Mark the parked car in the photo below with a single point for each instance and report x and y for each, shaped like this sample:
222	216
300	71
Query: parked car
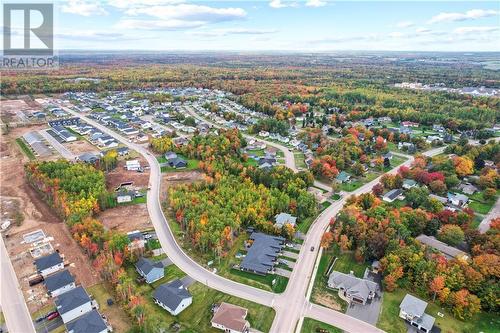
52	315
312	248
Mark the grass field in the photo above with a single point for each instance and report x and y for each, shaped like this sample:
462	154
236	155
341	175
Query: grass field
354	184
389	317
312	326
120	321
299	160
480	207
25	149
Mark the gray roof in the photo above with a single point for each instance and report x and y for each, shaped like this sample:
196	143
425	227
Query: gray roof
90	322
71	300
263	252
58	280
283	218
441	199
177	161
343	176
409	182
145	265
354	286
171	294
447	250
412	305
426	321
48	261
88	157
393	194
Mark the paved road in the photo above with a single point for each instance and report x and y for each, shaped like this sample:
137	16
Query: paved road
63	151
494	213
14	307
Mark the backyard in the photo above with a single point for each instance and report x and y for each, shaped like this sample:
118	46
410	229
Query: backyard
192	164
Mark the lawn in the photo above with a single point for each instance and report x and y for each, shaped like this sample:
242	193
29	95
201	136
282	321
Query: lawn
192	164
313	326
305	224
299	160
395	161
389	317
356	183
196	317
25	149
480	207
118	318
321	294
345	263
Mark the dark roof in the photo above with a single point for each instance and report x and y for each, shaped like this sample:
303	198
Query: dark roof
58	280
393	194
48	261
145	265
263	252
90	322
135	235
176	162
71	300
171	294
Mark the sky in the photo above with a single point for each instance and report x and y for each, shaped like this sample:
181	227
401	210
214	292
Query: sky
277	25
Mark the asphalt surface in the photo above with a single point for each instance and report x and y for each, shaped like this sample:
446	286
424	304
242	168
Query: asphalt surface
65	153
494	213
291	305
17	316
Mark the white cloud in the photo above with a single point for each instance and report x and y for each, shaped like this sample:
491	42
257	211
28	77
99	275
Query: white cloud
396	34
84	8
423	30
474	30
231	31
94	36
404	24
190	12
472	14
280	4
315	3
158	24
126	4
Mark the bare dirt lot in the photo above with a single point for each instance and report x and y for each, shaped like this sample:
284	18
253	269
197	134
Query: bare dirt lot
14	110
121	175
80	146
36	215
126	218
178	178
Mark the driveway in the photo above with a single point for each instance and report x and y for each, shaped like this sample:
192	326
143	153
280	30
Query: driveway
282	272
292	255
63	151
370	311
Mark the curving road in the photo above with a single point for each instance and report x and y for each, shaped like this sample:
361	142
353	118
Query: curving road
291	305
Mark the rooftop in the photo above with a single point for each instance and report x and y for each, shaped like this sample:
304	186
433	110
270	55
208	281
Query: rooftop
90	322
231	317
71	300
450	251
48	261
171	294
58	280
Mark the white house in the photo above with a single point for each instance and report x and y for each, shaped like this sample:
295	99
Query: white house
412	310
59	283
133	165
73	304
125	197
49	264
173	297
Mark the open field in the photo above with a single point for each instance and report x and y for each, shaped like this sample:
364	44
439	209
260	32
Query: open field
137	218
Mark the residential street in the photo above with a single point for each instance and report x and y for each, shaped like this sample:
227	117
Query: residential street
494	213
14	308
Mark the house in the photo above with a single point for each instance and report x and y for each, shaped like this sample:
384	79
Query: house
409	124
177	163
173	297
169	155
59	283
412	310
375	267
409	183
283	218
457	199
230	318
64	133
137	240
353	288
72	304
133	165
449	252
468	188
124	197
262	254
441	199
49	264
122	151
91	322
343	177
88	157
149	270
392	195
388	155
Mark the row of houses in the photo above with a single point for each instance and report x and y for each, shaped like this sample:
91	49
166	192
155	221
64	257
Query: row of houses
76	308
